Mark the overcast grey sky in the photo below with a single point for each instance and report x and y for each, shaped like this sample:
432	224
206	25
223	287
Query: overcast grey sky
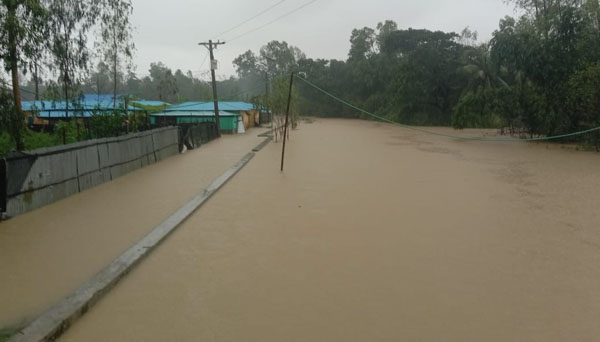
169	31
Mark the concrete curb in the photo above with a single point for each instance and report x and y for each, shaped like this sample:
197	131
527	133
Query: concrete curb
54	322
267	134
262	145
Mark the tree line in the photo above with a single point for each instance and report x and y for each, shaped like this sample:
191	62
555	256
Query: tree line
538	75
45	47
161	83
53	35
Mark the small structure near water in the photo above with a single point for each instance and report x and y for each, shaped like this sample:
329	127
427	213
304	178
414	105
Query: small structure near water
48	113
229	112
228	120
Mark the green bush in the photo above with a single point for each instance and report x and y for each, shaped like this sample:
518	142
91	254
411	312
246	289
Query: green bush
34	140
107	124
138	121
476	109
6	143
67	132
584	102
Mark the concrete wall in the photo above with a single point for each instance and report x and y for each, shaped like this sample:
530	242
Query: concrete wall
265	118
198	134
37	178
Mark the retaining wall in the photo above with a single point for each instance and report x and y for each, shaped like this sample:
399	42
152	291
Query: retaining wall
40	177
198	134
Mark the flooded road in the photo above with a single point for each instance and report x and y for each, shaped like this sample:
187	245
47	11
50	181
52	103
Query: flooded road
375	233
47	253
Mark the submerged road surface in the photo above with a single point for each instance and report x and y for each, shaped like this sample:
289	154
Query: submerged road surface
375	233
48	253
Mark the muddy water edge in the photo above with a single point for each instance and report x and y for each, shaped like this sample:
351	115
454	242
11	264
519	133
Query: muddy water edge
47	253
375	233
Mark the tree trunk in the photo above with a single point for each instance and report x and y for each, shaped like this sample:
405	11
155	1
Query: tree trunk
115	62
18	125
115	84
66	90
37	81
67	79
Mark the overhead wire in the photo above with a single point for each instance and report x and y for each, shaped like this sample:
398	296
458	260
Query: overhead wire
243	92
423	130
9	87
251	90
272	21
205	59
247	91
250	19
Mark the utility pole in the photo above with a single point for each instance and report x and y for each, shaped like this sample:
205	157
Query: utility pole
267	96
287	116
213	65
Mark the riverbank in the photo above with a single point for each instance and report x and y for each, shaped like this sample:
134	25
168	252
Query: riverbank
49	252
377	233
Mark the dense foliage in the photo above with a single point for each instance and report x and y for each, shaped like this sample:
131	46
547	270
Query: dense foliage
54	34
538	75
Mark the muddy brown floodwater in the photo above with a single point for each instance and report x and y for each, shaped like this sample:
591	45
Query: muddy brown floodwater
376	233
47	253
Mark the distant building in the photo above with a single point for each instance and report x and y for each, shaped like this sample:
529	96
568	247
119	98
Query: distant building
150	104
43	113
228	120
191	112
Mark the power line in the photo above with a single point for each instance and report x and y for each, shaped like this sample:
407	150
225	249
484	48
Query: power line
273	21
202	76
243	92
252	89
7	86
414	128
251	18
205	59
247	91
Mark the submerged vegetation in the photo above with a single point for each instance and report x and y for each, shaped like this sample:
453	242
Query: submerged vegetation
539	75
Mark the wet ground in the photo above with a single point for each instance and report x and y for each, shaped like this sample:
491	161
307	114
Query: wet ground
47	253
375	233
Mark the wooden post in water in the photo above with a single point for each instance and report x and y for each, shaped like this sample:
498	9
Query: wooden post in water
287	117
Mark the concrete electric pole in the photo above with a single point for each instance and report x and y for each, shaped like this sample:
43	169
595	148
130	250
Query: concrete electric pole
213	66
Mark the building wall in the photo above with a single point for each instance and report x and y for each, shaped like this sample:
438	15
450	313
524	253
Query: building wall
38	178
251	118
163	120
228	123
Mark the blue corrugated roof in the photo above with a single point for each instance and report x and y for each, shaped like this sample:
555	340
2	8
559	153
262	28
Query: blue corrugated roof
56	109
93	102
83	107
57	114
151	103
183	113
207	106
40	105
100	100
89	102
